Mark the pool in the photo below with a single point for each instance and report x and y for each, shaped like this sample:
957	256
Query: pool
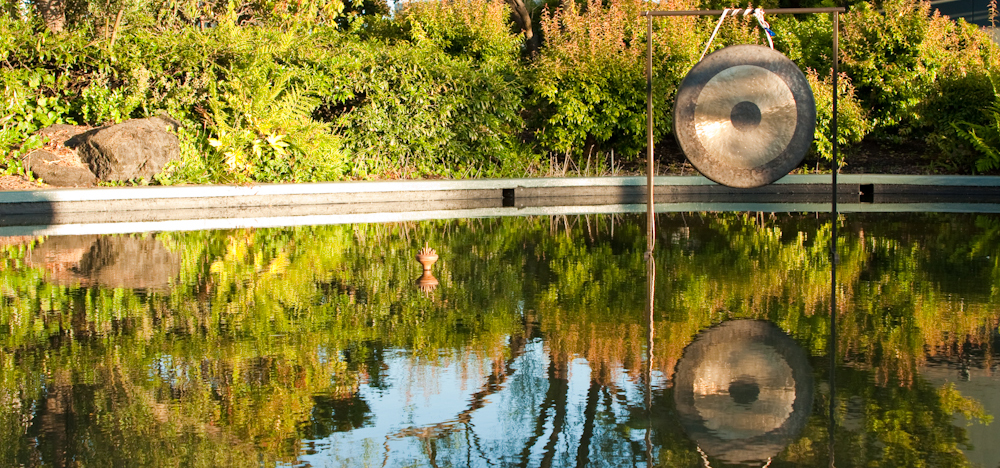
546	340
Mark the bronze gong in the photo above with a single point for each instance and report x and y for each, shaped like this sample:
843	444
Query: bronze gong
745	116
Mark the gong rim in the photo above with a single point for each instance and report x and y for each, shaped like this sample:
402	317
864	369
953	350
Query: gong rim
724	168
737	335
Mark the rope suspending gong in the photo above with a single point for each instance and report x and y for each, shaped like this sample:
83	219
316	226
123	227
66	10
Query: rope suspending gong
758	14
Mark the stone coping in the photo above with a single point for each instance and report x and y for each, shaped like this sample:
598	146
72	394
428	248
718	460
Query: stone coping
397	186
142	209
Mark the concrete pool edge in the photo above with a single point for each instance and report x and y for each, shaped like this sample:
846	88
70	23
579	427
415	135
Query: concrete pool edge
217	207
271	194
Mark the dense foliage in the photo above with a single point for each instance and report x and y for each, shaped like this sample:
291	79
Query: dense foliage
331	90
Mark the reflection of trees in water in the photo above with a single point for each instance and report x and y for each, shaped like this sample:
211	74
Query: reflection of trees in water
267	335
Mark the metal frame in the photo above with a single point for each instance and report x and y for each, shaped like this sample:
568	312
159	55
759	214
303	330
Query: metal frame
649	97
651	225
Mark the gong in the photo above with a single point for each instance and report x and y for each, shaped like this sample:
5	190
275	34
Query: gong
745	116
743	390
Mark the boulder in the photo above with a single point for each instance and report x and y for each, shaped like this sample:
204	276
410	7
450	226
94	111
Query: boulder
133	262
56	162
60	171
133	149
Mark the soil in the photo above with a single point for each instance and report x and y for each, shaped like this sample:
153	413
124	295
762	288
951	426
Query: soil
15	182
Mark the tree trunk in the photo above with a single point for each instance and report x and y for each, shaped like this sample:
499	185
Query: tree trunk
53	13
523	19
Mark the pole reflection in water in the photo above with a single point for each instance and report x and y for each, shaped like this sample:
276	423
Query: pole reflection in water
648	369
834	258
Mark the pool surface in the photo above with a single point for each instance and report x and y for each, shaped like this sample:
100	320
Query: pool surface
541	341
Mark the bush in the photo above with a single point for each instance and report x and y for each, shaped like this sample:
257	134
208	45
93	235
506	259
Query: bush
441	98
260	107
478	29
982	133
294	91
38	82
901	59
852	120
412	110
588	85
962	92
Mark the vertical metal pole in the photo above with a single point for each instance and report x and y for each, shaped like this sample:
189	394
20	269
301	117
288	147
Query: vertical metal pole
650	220
833	122
833	246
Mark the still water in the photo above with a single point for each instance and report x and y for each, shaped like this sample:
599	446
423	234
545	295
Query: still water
528	342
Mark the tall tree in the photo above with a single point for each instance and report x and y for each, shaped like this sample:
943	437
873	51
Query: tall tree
522	16
53	13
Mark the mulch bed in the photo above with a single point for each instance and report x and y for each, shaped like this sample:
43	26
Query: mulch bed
19	183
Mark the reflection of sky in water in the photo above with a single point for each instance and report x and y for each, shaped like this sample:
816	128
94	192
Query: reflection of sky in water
426	398
980	381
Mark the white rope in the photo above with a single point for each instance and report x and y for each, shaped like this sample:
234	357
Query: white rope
721	18
758	13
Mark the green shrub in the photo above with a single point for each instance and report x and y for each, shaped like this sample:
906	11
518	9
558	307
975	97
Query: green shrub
231	80
260	112
588	85
37	81
414	106
900	59
480	29
962	92
969	100
264	132
985	138
982	133
32	100
852	122
807	41
883	53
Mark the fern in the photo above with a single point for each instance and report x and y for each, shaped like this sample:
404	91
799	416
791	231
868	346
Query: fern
262	120
984	138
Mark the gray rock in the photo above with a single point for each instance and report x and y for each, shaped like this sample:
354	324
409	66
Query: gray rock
133	149
55	171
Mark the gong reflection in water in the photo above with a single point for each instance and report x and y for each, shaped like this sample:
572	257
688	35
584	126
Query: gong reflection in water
743	390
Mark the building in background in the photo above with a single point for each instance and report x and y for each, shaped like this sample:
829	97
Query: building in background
973	11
